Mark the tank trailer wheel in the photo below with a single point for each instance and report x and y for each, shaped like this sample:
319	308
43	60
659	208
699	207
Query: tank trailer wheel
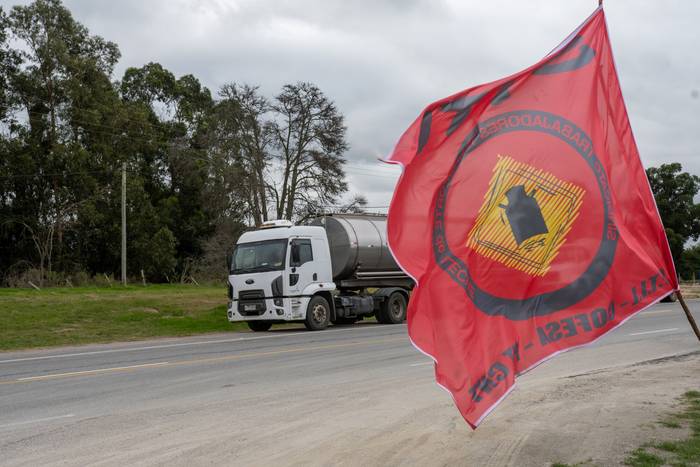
393	310
259	326
318	314
670	298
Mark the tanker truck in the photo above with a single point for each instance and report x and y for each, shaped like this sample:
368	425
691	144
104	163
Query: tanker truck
334	269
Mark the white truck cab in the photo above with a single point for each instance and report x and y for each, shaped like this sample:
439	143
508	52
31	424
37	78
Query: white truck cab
276	271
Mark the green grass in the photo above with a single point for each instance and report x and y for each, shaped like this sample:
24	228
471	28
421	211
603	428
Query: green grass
578	464
670	423
641	458
67	316
685	452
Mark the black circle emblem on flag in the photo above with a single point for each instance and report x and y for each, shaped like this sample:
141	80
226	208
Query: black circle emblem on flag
520	227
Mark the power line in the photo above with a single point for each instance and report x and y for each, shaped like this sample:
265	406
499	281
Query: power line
167	141
381	166
96	172
56	174
121	134
158	139
74	106
346	206
365	174
352	168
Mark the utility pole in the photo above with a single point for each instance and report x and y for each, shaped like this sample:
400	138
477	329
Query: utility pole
124	223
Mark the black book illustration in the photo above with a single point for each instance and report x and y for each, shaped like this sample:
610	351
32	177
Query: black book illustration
524	214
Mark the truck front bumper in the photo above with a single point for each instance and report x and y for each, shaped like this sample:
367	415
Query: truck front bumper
291	309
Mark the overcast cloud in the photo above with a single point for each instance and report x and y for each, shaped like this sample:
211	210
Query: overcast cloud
382	62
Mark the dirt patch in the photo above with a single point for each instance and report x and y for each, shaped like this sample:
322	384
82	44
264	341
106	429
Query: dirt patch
595	418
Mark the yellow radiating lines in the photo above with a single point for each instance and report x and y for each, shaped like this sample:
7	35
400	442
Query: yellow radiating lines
559	204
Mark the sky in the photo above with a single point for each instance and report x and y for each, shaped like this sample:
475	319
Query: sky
382	62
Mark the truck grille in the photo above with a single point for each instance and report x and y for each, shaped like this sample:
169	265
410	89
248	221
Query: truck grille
251	302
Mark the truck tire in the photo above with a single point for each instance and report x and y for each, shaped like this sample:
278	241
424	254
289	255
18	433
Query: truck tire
259	326
670	298
393	309
318	314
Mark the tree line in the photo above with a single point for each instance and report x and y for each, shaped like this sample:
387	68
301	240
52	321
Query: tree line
675	192
199	167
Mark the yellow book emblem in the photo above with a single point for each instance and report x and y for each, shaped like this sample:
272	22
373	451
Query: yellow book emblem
525	217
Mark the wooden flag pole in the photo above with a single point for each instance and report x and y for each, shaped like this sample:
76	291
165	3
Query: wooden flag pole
688	315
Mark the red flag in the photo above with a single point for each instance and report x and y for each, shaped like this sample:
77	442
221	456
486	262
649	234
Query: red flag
526	219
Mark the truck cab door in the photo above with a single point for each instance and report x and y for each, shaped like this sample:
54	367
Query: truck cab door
301	271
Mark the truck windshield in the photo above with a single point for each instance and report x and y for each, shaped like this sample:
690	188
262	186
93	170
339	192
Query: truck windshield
259	256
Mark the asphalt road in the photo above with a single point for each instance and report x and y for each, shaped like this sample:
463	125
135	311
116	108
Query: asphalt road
235	398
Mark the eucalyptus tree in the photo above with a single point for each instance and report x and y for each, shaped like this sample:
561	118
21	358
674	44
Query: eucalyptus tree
61	96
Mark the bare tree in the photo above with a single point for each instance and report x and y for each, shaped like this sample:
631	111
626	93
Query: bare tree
43	238
355	206
309	138
54	218
247	137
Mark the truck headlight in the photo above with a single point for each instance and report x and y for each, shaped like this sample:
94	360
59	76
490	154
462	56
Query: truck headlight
277	291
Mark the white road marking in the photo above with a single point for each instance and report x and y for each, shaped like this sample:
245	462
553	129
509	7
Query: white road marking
89	372
131	349
652	332
180	344
220	341
421	364
658	312
38	420
351	343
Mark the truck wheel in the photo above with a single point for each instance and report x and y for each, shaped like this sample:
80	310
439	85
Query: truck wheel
670	298
393	310
259	326
318	314
380	314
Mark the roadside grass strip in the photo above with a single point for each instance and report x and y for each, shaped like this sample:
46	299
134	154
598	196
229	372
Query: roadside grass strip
69	316
680	453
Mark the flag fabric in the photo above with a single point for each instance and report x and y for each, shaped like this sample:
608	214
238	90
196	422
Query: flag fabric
525	216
